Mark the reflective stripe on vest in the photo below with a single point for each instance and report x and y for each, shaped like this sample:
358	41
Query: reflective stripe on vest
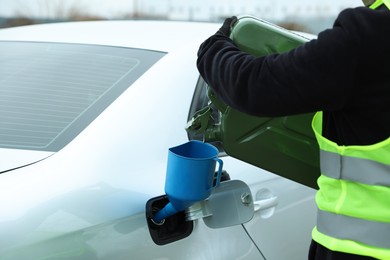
354	169
372	233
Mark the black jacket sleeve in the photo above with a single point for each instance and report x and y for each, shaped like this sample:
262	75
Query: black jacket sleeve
315	76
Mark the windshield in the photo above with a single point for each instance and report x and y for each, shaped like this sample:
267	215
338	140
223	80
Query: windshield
49	92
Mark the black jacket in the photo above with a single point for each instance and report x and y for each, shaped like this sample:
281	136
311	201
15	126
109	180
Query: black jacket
345	72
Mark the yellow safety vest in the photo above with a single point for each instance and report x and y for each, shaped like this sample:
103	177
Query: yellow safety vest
354	197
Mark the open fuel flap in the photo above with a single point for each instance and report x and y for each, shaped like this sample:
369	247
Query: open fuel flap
286	145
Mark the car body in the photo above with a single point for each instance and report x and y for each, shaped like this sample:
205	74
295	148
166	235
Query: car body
81	193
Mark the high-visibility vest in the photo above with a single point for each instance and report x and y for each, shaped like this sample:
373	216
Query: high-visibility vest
354	197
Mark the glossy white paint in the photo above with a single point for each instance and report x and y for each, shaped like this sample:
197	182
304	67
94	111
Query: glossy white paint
161	35
11	158
87	201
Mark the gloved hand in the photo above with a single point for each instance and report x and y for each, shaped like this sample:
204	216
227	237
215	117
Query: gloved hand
226	28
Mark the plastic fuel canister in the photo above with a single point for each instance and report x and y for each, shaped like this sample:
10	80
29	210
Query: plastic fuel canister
286	145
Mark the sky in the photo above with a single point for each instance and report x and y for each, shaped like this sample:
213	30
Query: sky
115	8
37	8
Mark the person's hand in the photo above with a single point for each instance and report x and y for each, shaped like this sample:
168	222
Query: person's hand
226	28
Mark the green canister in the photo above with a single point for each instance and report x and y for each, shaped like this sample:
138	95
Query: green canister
286	145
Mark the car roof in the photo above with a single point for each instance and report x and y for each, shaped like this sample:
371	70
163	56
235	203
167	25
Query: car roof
156	35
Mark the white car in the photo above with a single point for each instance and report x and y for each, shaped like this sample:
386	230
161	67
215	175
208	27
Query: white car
88	113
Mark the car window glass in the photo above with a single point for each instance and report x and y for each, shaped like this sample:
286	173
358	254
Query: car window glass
201	100
49	92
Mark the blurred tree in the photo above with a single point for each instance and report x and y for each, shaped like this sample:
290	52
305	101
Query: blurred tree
11	22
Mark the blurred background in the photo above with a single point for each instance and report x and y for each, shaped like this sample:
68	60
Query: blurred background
306	15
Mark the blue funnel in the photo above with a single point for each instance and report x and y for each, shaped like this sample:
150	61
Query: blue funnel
170	210
189	176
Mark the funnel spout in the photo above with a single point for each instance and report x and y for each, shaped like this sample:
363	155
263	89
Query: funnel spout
165	212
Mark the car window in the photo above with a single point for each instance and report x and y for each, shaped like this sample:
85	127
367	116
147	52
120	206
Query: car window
49	92
201	100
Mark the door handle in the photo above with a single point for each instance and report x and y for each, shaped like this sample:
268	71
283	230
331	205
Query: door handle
265	203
